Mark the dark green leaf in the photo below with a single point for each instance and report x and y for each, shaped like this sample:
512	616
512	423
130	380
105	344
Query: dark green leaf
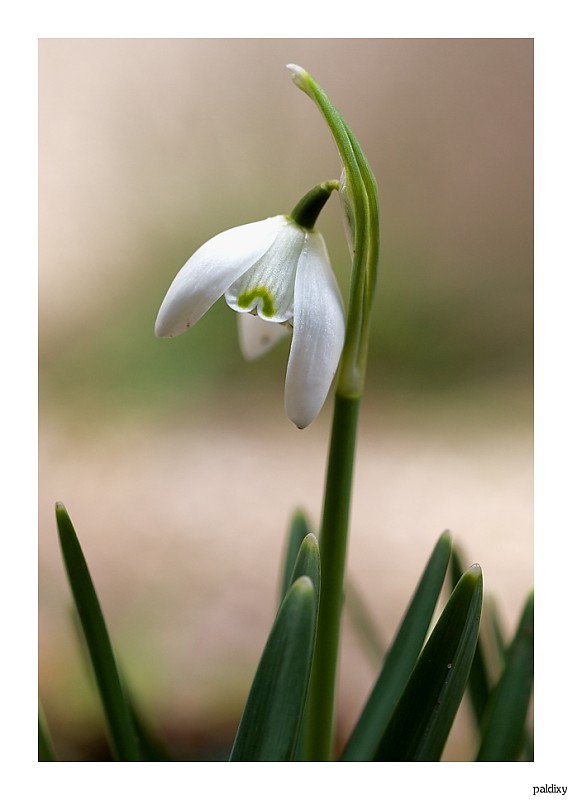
504	729
363	624
299	528
498	635
152	749
500	647
401	657
421	722
479	683
271	720
115	704
45	747
456	567
308	563
150	745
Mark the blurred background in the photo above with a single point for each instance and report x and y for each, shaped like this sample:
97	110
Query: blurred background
174	457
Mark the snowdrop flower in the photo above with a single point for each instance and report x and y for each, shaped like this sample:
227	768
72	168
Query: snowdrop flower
276	273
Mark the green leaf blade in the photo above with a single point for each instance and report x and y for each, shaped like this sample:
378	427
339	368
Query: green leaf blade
123	737
308	563
299	528
421	722
479	683
401	657
504	729
363	623
270	724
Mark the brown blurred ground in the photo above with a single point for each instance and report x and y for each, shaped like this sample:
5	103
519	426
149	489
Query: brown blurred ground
175	459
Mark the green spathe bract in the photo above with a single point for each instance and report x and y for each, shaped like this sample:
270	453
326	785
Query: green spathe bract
360	194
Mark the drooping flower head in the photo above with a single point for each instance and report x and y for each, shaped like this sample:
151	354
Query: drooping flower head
276	274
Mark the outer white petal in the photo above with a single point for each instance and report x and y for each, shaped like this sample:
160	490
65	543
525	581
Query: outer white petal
257	335
211	270
318	335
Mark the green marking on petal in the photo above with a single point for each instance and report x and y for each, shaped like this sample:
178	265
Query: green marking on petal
248	298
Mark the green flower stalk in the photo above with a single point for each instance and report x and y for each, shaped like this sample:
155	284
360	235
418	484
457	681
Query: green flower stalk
277	275
358	192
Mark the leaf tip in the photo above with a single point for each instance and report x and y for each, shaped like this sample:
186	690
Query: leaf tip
304	589
310	540
446	537
474	573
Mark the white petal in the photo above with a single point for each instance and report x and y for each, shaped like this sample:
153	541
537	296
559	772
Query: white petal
211	270
318	335
256	335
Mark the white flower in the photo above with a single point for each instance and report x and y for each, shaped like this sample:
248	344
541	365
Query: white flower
280	272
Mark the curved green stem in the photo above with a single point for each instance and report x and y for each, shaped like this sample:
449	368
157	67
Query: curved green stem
362	191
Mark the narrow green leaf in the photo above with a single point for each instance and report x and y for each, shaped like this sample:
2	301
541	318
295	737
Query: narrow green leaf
46	750
122	733
271	720
299	528
151	746
400	658
498	635
504	730
363	623
479	683
495	644
456	566
308	563
497	660
421	722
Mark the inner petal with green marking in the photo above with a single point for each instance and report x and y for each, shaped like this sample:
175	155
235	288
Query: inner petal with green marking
258	298
267	288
